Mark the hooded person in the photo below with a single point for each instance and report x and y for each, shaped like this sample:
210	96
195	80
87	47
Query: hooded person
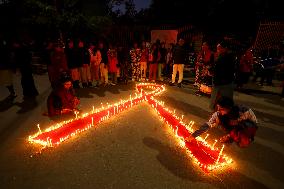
239	123
62	100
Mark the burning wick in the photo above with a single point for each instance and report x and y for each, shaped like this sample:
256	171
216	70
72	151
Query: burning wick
176	131
220	153
206	137
214	143
76	114
38	128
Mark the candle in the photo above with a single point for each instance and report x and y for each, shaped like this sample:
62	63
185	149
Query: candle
38	128
76	114
214	143
220	153
206	137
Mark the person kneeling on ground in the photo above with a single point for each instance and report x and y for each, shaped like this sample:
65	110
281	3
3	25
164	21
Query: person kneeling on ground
239	122
62	100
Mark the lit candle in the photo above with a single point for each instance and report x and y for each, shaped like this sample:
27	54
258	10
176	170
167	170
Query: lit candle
214	143
38	128
206	137
176	131
93	109
220	153
92	121
76	114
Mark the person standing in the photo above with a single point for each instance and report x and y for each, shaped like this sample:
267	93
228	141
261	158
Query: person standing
135	54
143	61
95	60
179	57
104	64
245	68
223	74
154	57
6	68
85	68
22	58
123	58
58	64
162	61
112	62
74	62
205	60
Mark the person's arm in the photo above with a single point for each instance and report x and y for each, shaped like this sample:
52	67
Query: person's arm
247	115
206	126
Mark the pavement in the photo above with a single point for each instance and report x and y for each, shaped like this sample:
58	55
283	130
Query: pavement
134	149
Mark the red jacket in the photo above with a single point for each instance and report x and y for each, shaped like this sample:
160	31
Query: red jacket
60	99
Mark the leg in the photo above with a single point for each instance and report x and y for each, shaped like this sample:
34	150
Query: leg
155	68
213	98
174	73
180	72
150	72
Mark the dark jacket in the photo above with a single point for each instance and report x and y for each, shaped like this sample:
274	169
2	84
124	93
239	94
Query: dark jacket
179	54
5	57
224	69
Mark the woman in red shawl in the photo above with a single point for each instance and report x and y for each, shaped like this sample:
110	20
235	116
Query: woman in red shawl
62	100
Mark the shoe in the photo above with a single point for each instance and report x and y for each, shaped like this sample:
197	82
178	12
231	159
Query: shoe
179	85
172	84
226	139
90	84
198	93
196	85
112	84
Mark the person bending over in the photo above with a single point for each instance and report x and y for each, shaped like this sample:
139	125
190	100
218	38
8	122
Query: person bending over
239	122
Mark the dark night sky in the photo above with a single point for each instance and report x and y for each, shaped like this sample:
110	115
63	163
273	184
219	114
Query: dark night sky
142	4
139	4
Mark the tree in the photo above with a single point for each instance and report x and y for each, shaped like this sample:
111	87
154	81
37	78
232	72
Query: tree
56	16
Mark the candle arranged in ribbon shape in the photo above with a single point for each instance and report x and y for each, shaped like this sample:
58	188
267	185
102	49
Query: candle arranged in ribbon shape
208	157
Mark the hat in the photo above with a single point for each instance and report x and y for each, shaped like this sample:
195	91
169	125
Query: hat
225	102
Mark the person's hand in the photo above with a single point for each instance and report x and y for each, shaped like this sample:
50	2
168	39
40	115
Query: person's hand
189	138
65	110
76	101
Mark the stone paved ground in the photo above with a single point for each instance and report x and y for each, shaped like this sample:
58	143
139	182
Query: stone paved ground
135	149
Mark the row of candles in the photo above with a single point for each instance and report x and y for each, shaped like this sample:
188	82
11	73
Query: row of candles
208	157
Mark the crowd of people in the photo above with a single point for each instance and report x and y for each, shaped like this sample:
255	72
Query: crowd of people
76	63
